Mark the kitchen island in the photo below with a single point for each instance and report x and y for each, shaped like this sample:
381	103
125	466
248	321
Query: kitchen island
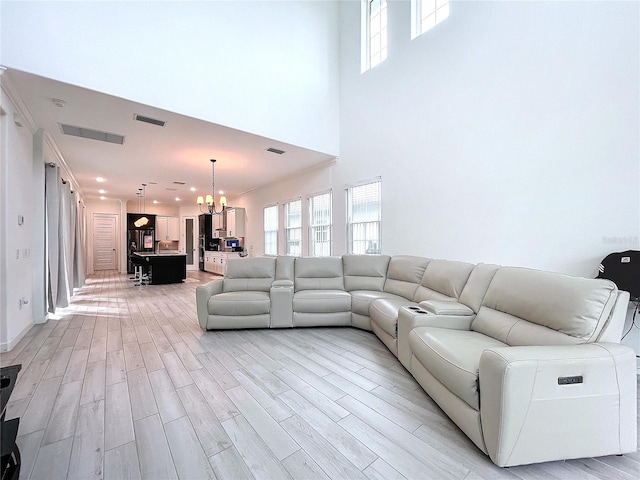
163	267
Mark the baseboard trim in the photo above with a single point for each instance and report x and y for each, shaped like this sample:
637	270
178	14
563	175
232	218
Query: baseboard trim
8	346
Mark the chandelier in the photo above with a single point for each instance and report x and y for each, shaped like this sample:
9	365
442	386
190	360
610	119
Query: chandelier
209	200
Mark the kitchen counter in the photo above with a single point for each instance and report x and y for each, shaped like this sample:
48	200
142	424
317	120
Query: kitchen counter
164	267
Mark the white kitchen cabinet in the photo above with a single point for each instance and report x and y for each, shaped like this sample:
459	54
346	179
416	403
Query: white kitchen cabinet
209	264
167	229
216	262
219	222
235	222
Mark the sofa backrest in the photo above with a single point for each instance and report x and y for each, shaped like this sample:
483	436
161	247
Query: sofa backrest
318	273
255	274
443	280
284	267
477	285
405	274
532	307
365	272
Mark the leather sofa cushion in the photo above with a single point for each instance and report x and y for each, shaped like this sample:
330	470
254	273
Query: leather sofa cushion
453	358
405	274
384	312
314	273
244	274
533	307
239	303
361	300
443	279
365	272
321	301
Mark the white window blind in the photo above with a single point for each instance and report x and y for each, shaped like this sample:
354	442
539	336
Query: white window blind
320	225
271	230
293	228
364	216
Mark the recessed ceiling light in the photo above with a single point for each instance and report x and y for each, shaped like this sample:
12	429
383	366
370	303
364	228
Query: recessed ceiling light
220	192
99	179
155	202
101	191
103	198
193	189
177	199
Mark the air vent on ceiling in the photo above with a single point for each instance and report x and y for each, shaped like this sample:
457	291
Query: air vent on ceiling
275	150
152	121
92	134
171	189
178	183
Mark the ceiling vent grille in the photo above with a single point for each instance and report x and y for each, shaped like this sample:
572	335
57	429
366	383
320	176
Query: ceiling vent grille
92	134
152	121
275	150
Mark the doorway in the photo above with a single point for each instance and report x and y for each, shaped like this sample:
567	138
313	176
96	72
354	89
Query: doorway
105	241
190	242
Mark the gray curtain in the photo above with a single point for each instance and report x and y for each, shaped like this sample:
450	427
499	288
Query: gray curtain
78	256
53	184
66	221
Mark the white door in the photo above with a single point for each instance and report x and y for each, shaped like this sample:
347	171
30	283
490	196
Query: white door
105	241
189	242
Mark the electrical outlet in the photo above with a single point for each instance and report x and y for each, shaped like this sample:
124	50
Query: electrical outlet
18	254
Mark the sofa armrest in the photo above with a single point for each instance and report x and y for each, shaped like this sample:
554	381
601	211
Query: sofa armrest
281	295
203	294
412	317
544	403
445	307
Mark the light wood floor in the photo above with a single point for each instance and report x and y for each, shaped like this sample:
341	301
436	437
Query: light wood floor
127	385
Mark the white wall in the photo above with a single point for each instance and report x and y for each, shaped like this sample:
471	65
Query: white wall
16	270
507	134
265	67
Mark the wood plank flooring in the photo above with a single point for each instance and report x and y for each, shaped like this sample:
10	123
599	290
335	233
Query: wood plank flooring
126	385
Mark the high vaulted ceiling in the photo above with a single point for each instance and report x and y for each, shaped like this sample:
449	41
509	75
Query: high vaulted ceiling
153	155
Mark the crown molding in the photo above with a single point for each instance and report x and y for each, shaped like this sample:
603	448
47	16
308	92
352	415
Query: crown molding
8	87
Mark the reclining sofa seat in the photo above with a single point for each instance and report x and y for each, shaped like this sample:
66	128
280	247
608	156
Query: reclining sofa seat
239	300
320	298
501	379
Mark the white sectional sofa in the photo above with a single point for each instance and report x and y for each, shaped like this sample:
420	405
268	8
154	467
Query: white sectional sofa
527	363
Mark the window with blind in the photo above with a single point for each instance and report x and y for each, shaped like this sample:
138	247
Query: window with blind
320	225
426	14
374	33
293	228
271	230
364	216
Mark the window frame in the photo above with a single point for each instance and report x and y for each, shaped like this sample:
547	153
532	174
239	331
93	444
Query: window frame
417	27
366	52
287	229
350	223
265	231
311	226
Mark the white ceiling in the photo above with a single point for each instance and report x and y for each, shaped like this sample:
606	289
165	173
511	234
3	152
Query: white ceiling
178	152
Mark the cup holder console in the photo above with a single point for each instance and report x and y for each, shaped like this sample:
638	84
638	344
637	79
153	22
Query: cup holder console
419	310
